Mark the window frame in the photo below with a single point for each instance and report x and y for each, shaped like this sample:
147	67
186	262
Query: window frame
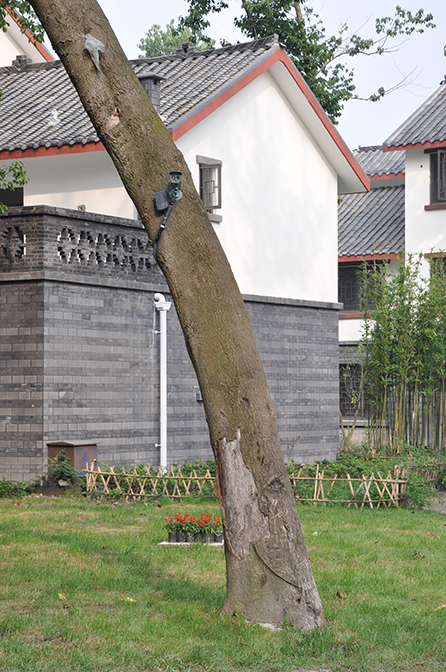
437	176
350	266
206	164
349	383
360	306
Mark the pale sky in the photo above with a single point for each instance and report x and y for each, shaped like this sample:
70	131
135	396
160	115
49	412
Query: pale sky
420	58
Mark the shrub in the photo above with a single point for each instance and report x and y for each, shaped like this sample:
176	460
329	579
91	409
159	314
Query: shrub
14	488
418	492
60	469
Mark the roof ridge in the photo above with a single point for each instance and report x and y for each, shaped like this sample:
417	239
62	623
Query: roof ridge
369	148
270	41
31	66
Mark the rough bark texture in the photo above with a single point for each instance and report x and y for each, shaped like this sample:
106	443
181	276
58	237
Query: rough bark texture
269	577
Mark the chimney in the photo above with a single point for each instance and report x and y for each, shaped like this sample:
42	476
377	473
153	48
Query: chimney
152	86
21	61
187	48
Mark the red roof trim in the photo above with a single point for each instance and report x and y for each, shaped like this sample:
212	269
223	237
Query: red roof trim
390	176
367	257
40	48
416	145
278	56
30	153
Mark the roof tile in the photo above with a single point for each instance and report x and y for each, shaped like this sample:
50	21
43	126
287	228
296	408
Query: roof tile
32	92
426	125
371	223
375	162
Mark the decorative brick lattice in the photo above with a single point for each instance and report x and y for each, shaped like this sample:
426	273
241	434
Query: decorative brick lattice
104	250
12	244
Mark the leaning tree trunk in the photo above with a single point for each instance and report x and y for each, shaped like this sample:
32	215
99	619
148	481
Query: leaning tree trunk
269	578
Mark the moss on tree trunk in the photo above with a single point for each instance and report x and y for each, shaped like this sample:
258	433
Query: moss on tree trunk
269	578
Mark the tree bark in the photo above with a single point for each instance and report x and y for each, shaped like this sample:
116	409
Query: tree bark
269	578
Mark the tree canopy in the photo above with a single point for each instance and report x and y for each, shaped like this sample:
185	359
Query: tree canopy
158	42
319	57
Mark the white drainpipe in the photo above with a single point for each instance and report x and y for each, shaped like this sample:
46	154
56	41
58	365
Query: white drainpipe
163	306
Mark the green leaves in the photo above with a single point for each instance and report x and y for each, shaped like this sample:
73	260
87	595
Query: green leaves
404	340
158	42
28	18
12	176
404	22
321	59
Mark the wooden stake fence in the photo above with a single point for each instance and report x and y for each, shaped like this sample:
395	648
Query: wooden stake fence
365	491
373	490
143	482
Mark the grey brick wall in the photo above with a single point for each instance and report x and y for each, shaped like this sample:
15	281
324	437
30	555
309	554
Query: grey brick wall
80	352
298	345
21	379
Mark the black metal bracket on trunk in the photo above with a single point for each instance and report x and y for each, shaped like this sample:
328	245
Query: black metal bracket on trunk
164	223
164	202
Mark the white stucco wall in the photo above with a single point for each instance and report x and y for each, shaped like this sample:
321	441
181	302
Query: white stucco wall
425	229
279	195
350	330
68	181
13	43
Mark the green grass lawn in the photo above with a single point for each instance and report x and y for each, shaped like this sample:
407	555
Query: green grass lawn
85	586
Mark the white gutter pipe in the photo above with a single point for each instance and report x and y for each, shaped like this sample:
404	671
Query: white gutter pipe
162	307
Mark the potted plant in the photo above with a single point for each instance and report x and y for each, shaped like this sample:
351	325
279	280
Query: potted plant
187	528
171	530
181	527
206	526
217	529
193	530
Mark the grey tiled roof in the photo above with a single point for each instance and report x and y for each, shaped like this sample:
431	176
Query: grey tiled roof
192	79
374	161
31	93
372	223
425	125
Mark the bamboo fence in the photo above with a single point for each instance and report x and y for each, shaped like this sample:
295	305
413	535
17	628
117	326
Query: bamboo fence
373	490
430	472
144	482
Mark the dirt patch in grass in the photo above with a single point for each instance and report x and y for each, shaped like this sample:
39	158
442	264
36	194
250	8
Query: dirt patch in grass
438	503
37	640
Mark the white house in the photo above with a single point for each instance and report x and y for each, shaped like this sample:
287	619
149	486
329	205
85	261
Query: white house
269	165
422	140
405	211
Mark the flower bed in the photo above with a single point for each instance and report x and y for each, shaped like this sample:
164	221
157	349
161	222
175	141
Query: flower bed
189	529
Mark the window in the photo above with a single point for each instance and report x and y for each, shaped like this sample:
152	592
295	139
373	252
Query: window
350	284
351	392
438	176
11	197
210	186
437	262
